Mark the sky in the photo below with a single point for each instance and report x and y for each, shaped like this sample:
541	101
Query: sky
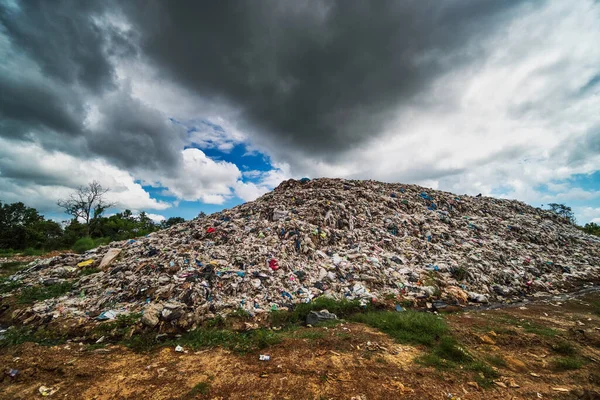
183	106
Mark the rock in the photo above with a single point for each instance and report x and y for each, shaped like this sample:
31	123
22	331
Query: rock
314	317
151	314
515	364
486	339
109	257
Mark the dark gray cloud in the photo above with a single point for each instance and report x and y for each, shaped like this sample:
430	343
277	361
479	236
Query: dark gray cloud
320	77
64	38
131	134
27	104
60	75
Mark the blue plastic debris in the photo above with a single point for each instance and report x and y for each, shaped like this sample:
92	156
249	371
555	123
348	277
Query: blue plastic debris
304	180
399	308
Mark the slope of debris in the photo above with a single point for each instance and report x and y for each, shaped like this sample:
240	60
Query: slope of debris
362	240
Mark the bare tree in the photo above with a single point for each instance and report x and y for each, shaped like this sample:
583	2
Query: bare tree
87	203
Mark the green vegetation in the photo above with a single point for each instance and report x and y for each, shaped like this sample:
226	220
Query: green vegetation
89	271
24	231
120	326
595	306
562	211
10	268
342	308
38	293
528	326
84	244
495	360
406	327
240	342
7	285
567	363
200	388
18	335
592	228
564	348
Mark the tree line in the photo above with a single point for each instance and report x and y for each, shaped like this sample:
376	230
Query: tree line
24	229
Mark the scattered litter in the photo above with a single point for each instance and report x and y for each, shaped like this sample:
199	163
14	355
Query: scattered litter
47	391
12	372
264	357
179	349
86	263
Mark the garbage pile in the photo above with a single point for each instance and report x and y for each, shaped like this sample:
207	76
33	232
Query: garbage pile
347	239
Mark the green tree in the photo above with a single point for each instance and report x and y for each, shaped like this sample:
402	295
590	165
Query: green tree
171	221
563	211
22	227
592	228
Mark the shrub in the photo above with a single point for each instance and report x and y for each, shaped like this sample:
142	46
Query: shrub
84	244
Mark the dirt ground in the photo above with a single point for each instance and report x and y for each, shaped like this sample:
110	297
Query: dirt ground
346	361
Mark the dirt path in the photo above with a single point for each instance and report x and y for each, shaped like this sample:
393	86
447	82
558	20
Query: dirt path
525	345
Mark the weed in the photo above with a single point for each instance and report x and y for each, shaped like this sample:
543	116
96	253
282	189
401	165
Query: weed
200	388
435	361
310	334
406	327
564	348
528	326
32	294
120	326
95	346
485	374
241	342
595	304
539	330
18	335
460	273
8	285
240	313
342	308
497	361
11	267
89	271
449	349
142	343
567	363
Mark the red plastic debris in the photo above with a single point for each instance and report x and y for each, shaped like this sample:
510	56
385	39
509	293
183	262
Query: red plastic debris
210	230
273	264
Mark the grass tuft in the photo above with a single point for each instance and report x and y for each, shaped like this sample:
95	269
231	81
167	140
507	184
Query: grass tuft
406	327
564	348
567	363
201	388
32	294
240	342
18	335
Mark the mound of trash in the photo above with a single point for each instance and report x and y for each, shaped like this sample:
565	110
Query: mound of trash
347	239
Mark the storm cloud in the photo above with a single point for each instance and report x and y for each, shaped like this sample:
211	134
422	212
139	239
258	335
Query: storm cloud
469	95
320	76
